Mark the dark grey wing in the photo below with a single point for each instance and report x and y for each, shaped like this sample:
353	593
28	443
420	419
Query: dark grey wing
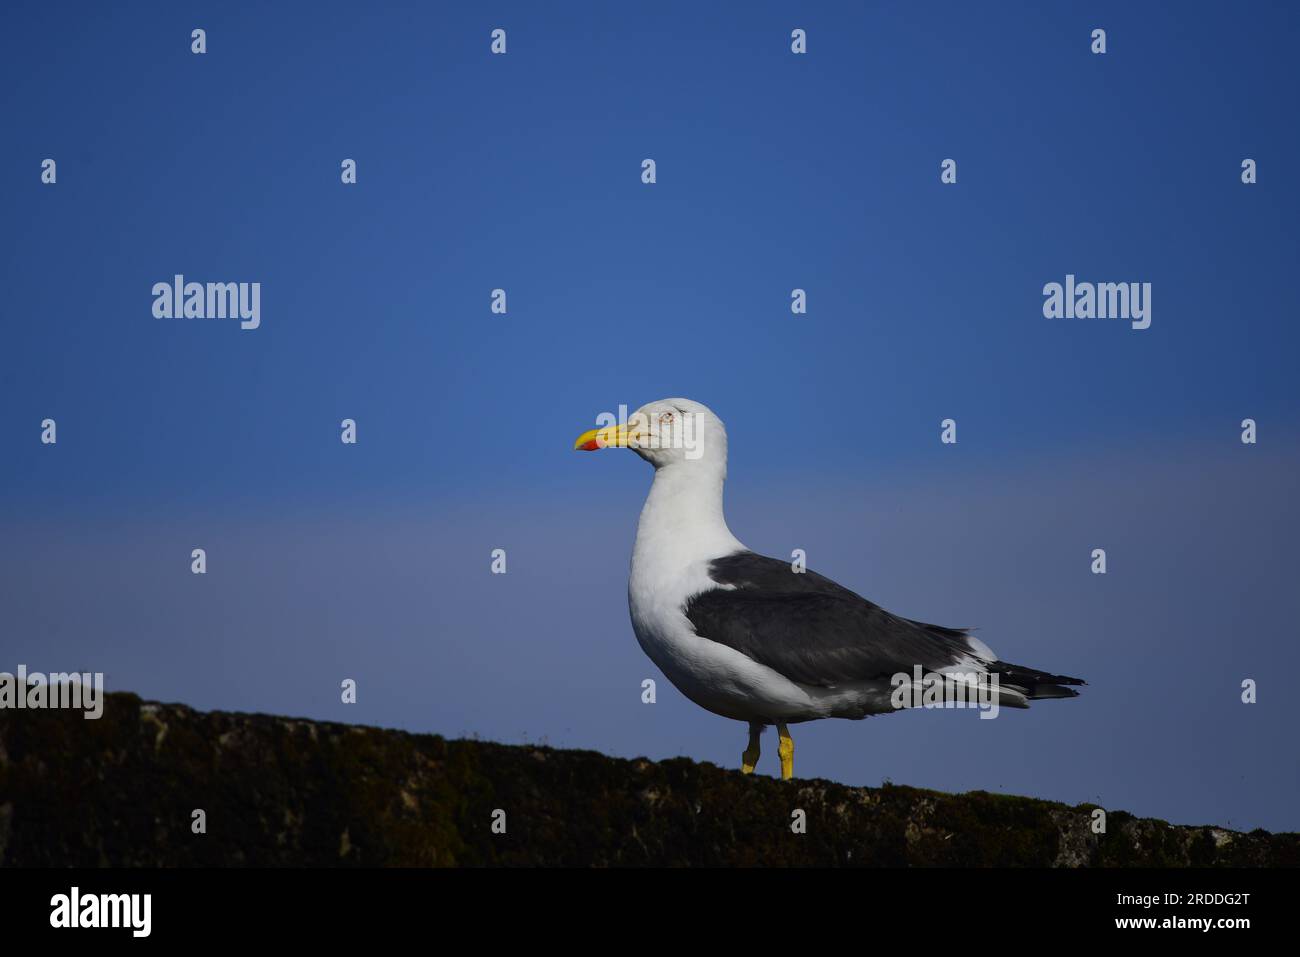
816	632
813	631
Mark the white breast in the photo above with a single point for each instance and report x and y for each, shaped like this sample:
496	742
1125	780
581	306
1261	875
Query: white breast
680	532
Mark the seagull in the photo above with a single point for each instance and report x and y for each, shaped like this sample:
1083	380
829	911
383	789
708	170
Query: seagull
766	641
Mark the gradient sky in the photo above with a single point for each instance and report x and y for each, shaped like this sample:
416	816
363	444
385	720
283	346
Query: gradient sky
775	171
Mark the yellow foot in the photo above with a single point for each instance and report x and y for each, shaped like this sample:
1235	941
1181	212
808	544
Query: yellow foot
785	748
749	760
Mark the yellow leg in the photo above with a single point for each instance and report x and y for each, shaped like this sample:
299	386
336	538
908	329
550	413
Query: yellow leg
749	760
786	750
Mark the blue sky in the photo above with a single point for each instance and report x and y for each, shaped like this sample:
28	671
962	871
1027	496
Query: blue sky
775	171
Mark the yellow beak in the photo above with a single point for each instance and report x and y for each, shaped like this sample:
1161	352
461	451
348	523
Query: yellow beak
610	435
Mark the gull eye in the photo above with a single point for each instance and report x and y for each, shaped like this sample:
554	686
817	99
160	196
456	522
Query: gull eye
665	418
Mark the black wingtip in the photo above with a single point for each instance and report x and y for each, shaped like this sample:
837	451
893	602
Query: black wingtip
1035	684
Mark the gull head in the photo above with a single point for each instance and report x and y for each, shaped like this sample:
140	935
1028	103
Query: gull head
675	432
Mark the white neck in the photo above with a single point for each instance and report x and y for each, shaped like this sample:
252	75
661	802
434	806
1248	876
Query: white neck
682	520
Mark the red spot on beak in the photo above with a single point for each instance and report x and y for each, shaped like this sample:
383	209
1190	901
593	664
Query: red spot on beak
591	446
